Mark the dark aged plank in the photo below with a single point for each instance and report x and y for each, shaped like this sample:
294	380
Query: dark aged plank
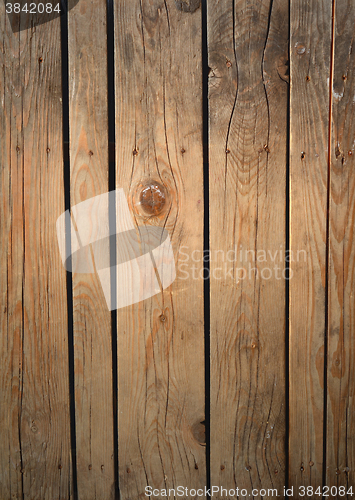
248	45
92	321
161	340
341	333
310	48
34	393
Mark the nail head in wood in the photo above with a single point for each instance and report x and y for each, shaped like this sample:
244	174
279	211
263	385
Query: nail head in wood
300	49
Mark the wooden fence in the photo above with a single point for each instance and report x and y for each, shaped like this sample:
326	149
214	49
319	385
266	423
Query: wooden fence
241	373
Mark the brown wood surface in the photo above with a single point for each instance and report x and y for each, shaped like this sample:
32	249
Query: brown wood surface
161	340
310	51
340	436
161	386
92	319
34	394
248	46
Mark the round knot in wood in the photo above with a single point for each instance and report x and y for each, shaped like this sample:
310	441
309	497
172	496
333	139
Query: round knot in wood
152	198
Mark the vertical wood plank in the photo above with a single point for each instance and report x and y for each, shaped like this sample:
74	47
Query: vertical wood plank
341	334
92	318
161	340
310	50
12	255
34	393
248	47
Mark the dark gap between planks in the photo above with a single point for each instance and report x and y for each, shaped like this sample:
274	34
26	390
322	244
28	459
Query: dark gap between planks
69	279
206	237
327	250
112	187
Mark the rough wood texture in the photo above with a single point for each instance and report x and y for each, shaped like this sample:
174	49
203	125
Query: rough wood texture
92	319
248	45
341	334
161	340
34	394
310	48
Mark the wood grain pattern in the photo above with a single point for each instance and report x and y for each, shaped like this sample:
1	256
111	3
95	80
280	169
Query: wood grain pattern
161	340
34	396
158	92
340	436
92	319
248	123
310	51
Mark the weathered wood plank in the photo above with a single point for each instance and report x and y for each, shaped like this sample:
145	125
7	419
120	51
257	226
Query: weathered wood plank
310	50
92	318
161	340
341	334
248	46
34	393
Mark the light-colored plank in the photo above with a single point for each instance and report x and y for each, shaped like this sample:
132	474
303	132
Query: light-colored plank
248	46
161	340
92	318
34	406
341	334
310	50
